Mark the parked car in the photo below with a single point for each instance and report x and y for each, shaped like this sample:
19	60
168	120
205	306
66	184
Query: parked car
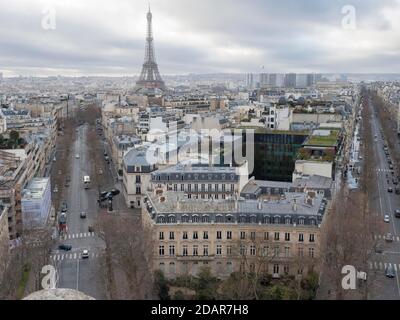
397	213
55	190
77	156
397	190
83	215
100	171
390	189
91	229
65	247
386	218
64	207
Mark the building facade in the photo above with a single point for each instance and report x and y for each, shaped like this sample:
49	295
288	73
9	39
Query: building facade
277	237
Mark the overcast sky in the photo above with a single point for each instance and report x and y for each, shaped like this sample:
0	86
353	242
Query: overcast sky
107	37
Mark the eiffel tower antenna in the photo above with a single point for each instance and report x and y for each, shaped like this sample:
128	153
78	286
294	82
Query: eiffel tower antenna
150	77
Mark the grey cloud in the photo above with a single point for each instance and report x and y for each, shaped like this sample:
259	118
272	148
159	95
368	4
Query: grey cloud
286	34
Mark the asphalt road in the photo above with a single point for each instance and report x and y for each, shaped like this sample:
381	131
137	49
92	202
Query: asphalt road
384	203
74	272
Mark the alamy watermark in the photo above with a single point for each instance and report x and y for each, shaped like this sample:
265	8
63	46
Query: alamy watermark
206	146
349	281
49	279
349	21
48	21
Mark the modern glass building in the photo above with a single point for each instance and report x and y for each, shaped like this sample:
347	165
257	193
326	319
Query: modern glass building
275	154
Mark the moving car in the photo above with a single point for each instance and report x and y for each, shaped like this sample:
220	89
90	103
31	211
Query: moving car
65	247
378	248
397	213
390	189
55	189
83	215
100	171
389	237
77	156
85	254
386	218
64	207
390	272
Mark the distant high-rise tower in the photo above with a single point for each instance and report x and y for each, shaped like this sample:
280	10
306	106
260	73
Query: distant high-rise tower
150	76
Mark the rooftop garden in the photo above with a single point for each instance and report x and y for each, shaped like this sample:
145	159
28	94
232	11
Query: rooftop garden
322	140
308	154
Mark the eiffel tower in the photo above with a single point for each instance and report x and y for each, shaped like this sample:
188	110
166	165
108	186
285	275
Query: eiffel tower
150	78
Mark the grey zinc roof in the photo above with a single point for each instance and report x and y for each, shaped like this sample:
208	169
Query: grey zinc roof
137	157
276	207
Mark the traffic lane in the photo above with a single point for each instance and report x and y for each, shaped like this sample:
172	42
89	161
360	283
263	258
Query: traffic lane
91	278
67	274
390	287
391	202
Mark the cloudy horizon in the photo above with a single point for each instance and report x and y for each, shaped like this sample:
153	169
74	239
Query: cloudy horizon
108	37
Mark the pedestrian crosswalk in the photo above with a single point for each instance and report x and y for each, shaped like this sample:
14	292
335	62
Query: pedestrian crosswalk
383	170
78	235
379	265
382	237
71	256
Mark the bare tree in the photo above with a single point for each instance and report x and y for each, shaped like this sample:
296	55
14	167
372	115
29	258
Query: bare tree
128	255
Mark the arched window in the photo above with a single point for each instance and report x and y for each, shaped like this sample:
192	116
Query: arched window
242	219
229	218
171	218
195	218
219	218
266	219
205	218
253	219
185	218
288	220
160	219
277	220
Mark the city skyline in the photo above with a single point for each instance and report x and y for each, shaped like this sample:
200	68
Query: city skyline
107	39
